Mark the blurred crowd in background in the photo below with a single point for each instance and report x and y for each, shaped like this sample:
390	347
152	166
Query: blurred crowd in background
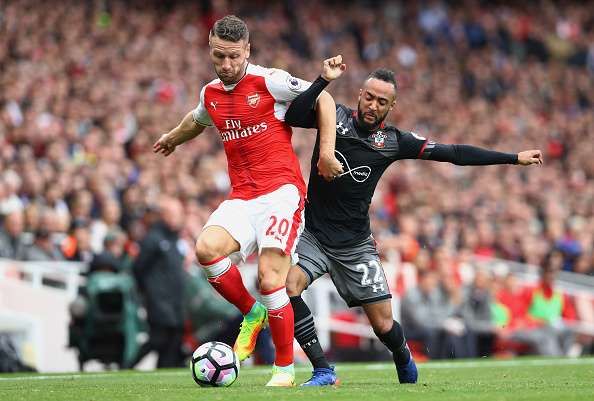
87	87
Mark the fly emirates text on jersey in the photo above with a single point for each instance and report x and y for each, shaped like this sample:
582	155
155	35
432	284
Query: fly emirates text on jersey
233	130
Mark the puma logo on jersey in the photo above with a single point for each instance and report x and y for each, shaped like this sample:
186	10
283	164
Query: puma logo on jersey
214	105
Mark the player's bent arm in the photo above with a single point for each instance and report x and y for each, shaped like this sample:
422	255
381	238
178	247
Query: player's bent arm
302	111
187	129
326	117
316	105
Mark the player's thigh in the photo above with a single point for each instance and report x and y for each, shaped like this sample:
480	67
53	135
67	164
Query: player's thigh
215	241
279	220
380	315
227	230
358	275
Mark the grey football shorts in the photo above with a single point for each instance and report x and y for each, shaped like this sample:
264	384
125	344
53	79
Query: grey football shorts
356	271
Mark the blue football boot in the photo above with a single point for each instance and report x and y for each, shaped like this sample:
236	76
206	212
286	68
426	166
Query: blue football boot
407	373
322	377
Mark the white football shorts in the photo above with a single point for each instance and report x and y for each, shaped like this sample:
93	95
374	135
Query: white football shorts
273	220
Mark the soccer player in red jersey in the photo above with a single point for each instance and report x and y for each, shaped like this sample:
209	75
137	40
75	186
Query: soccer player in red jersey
264	212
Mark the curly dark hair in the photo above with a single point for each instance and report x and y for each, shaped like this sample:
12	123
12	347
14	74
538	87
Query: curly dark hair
383	74
231	28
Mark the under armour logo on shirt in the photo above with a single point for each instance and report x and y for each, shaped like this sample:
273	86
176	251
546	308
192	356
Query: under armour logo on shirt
378	287
343	130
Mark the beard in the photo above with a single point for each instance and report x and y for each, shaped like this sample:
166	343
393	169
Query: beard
229	78
377	120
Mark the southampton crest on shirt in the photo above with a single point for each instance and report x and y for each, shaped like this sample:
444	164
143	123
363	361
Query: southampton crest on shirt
379	139
253	99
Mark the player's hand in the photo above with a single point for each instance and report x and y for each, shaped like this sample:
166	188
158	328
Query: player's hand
529	157
164	145
333	68
329	167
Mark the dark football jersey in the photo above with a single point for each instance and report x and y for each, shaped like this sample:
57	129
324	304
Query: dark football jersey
337	212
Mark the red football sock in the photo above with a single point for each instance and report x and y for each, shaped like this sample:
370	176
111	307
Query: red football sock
224	276
280	319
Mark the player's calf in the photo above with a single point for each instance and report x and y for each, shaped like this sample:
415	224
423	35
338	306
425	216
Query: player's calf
396	343
281	320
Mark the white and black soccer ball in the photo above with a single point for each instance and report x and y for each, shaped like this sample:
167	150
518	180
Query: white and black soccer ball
214	364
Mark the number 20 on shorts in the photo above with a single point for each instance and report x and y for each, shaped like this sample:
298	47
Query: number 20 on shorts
278	227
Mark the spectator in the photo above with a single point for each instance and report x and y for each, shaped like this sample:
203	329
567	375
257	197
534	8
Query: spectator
160	275
43	248
10	184
77	245
115	243
518	326
427	316
552	308
12	238
477	314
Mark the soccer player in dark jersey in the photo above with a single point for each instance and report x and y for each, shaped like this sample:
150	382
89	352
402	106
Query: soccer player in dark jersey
337	239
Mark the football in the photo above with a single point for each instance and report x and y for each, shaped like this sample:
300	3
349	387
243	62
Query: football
214	364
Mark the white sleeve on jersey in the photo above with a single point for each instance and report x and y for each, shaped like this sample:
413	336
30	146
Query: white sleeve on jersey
284	88
200	114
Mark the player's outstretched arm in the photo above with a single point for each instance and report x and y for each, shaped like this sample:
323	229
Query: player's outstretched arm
186	130
467	155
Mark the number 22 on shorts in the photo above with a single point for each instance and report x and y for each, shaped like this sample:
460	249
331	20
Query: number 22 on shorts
366	277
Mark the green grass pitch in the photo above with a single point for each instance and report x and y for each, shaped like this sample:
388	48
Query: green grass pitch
476	380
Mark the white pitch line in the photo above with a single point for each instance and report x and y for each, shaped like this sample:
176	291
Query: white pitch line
376	366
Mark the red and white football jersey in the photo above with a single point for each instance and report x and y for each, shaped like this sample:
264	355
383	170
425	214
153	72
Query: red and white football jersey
250	118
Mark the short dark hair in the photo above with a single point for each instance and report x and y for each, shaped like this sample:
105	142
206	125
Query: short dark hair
231	28
383	74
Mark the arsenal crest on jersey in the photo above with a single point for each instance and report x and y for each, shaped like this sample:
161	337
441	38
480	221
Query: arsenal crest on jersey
378	139
253	100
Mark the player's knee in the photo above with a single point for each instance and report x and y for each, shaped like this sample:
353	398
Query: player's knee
270	279
382	325
270	282
207	249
